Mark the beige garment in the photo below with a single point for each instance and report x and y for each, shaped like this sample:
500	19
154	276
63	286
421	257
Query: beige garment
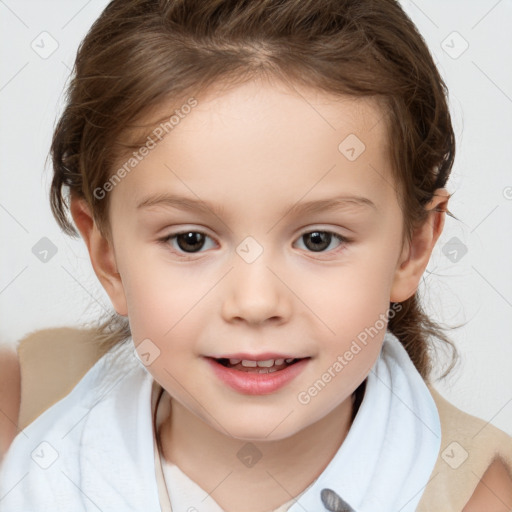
52	361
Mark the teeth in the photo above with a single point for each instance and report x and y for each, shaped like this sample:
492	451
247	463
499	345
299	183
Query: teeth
260	364
266	364
268	370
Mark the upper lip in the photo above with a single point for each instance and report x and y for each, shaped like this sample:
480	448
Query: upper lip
256	357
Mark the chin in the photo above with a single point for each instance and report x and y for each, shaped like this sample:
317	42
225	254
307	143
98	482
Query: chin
253	429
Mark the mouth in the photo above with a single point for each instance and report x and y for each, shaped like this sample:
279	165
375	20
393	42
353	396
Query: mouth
256	366
257	375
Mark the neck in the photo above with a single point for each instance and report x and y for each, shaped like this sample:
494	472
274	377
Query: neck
285	467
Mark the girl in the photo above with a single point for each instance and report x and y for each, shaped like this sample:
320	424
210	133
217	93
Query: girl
283	362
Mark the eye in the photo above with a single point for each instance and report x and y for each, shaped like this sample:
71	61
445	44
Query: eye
190	242
319	241
187	241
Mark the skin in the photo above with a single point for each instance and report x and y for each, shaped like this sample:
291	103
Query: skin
493	492
256	150
10	390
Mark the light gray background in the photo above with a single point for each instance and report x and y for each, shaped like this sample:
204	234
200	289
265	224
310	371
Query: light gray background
474	288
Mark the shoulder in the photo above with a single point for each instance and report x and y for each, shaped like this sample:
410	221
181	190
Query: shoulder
474	464
81	439
52	361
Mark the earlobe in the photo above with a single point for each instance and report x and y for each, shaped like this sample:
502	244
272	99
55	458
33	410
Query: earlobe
416	253
101	253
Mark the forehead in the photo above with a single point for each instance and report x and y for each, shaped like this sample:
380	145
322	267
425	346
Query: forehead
236	141
273	106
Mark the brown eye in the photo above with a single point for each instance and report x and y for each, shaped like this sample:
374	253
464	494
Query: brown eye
319	241
191	241
187	242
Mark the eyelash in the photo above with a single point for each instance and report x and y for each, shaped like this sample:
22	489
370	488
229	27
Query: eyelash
341	239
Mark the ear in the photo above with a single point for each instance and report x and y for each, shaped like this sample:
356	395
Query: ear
101	253
416	253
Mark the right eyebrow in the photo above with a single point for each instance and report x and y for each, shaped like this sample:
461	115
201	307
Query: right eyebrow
182	202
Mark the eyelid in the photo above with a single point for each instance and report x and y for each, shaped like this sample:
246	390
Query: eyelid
182	231
333	230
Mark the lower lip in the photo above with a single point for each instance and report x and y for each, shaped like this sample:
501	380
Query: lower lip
257	383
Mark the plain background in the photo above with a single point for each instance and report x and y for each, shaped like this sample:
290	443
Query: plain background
469	278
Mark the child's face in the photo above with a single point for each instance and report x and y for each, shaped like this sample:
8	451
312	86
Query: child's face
255	284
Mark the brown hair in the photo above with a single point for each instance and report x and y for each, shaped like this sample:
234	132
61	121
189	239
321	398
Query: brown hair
142	53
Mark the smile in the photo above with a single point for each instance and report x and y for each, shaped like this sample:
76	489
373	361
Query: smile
257	377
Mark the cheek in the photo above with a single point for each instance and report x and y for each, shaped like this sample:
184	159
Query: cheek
162	299
351	297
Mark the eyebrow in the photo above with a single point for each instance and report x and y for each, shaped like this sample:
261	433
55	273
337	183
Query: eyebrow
308	207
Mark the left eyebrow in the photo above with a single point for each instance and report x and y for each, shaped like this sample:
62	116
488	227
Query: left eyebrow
333	203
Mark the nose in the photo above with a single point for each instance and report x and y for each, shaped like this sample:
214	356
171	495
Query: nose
255	293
